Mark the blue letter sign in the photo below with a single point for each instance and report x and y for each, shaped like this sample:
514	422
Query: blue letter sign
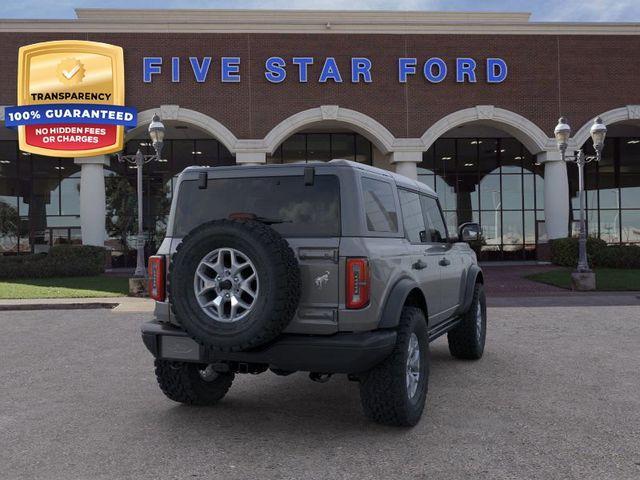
496	70
406	66
200	71
230	70
151	66
275	69
441	67
323	70
360	66
331	71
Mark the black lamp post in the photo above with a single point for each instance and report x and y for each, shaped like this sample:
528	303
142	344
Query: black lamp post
562	133
156	133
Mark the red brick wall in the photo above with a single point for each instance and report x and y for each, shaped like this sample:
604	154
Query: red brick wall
578	76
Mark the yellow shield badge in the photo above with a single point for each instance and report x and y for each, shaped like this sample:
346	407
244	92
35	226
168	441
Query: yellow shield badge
71	99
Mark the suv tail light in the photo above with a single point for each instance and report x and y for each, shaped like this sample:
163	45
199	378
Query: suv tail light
156	277
357	283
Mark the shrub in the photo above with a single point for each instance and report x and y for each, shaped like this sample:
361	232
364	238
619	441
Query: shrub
564	252
618	256
61	261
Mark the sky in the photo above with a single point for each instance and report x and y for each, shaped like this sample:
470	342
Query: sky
542	10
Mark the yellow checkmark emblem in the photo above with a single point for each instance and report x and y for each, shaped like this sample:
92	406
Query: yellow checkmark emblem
70	71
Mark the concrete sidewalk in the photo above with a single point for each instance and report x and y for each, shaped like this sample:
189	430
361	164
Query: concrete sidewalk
145	305
510	281
505	286
117	304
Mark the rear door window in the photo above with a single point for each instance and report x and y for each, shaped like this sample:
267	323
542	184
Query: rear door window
436	229
285	203
379	205
412	216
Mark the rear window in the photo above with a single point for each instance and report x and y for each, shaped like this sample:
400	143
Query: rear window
285	203
379	205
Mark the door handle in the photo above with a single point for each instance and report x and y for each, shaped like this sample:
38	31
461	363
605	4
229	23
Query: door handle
444	261
419	265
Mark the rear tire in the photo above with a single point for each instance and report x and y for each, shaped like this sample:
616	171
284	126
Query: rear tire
467	339
387	393
192	383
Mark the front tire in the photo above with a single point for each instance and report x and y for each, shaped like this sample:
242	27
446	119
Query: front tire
394	392
467	339
192	383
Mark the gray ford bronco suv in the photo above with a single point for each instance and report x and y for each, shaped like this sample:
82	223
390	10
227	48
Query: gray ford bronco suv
325	268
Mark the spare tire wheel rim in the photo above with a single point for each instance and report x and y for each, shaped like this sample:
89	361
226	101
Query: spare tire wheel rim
226	285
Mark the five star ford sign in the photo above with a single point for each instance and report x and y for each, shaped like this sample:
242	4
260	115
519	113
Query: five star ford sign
70	99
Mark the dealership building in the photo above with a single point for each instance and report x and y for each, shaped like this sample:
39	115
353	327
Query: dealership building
464	102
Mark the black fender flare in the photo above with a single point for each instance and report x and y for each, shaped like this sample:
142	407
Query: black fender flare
396	299
473	275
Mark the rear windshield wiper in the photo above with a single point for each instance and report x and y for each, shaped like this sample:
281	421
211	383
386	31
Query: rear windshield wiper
271	221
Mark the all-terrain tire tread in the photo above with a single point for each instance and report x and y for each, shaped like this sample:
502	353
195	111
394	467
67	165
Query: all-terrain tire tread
286	299
462	339
179	384
380	391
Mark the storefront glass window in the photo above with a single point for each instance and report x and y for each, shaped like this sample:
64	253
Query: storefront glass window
343	146
319	147
70	196
8	159
511	155
294	149
306	147
630	225
159	177
364	150
512	192
612	191
206	152
493	181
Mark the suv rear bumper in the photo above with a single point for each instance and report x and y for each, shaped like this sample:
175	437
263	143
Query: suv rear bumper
338	353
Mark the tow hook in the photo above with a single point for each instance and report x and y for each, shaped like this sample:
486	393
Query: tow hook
320	377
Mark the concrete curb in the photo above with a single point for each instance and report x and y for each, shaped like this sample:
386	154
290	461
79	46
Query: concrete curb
56	306
114	304
571	299
140	305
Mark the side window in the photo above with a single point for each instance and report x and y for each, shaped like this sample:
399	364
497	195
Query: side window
412	216
437	232
379	205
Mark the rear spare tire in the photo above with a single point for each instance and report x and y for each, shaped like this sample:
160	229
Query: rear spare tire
234	284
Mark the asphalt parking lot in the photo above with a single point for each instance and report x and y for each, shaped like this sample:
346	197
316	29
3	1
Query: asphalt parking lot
557	395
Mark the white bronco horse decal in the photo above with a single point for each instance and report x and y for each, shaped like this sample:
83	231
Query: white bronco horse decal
322	280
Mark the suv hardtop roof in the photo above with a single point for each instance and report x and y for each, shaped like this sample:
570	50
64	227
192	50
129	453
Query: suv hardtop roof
399	180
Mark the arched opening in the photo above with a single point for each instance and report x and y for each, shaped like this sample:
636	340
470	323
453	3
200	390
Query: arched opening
484	174
324	142
328	132
185	145
39	199
612	186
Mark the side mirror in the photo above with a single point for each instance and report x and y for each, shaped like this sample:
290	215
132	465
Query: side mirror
469	232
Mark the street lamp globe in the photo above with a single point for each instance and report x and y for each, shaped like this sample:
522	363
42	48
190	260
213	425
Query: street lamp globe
156	132
598	132
562	133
